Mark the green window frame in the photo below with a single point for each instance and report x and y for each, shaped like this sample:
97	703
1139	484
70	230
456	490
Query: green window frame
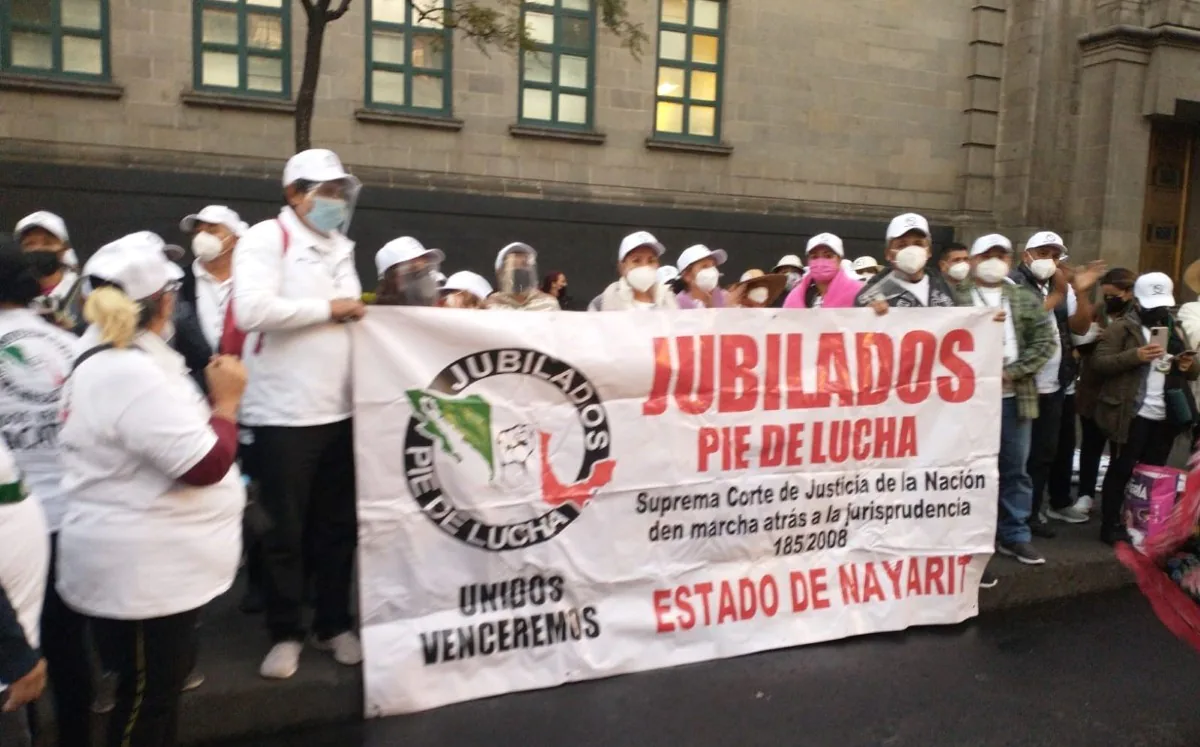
55	38
689	84
558	71
243	47
409	57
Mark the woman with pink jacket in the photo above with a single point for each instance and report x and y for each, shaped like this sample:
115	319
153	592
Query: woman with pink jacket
825	285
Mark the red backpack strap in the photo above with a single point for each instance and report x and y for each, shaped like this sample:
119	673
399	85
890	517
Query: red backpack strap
233	339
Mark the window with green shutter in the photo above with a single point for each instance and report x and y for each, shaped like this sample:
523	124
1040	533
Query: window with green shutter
243	47
408	56
60	38
691	48
558	71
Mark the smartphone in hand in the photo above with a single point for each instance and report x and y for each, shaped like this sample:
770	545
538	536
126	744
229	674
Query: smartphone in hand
1158	336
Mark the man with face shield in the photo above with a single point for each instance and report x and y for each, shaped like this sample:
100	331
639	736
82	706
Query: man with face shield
295	289
906	283
516	274
638	288
43	237
464	290
1028	344
407	273
207	286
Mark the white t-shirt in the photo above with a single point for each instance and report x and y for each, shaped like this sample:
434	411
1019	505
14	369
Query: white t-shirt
35	359
212	300
135	543
993	298
919	289
1047	377
24	555
642	304
1154	405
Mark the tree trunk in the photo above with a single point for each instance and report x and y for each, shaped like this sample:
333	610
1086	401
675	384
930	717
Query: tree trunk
306	96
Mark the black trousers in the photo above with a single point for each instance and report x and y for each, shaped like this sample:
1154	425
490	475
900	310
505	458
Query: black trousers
1091	448
306	485
152	659
1063	468
14	728
1043	446
68	660
1149	442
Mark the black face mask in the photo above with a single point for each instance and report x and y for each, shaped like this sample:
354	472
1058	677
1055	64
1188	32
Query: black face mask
523	279
1155	317
44	264
1115	305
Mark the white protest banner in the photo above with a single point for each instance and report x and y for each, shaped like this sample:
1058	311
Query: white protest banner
551	497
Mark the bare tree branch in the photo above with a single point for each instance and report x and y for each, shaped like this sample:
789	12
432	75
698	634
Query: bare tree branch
333	15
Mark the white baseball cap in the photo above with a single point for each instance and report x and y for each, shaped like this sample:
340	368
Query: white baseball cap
70	259
697	252
46	221
902	224
666	273
789	260
1046	238
866	263
470	282
516	246
404	249
136	263
637	240
315	165
985	243
439	277
1153	290
216	215
826	239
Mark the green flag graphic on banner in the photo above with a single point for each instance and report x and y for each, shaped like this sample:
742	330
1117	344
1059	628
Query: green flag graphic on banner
471	416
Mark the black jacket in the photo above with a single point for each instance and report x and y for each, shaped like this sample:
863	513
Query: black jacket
17	658
189	338
1068	367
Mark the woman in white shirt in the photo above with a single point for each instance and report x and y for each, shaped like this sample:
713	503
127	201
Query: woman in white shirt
152	530
35	358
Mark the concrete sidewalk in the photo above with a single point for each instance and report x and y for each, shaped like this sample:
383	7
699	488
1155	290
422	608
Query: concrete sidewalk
236	702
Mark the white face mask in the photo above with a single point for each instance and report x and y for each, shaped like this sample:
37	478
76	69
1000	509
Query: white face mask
992	270
757	295
958	272
207	247
642	278
1043	269
911	259
707	278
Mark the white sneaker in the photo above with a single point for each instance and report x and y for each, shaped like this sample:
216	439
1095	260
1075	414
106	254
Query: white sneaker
1084	504
1070	515
282	661
346	648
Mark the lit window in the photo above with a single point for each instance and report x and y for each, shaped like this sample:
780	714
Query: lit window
556	74
690	51
243	46
55	37
408	56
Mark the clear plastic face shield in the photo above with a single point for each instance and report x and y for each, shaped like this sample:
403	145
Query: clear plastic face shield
412	283
329	206
518	274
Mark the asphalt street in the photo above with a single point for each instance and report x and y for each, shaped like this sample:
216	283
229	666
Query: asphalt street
1090	671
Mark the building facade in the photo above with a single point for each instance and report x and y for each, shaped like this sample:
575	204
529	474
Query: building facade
748	124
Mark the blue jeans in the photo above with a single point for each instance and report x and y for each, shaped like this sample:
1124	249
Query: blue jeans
1016	489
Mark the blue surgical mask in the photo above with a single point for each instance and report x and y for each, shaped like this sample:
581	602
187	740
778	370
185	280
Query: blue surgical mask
327	214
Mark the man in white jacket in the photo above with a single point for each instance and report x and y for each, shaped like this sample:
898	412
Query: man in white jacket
295	285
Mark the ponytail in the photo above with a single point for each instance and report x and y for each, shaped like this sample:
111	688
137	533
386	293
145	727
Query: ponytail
116	314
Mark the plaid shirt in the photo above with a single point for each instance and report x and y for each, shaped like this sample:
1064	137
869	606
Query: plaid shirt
535	301
1035	330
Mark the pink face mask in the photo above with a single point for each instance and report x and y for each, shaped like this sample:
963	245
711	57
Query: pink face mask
823	270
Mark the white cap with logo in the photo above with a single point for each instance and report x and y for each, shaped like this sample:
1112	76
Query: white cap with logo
404	249
902	224
136	263
830	240
468	281
789	260
215	215
697	252
666	273
46	221
1154	290
637	240
316	165
866	263
984	244
1045	238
